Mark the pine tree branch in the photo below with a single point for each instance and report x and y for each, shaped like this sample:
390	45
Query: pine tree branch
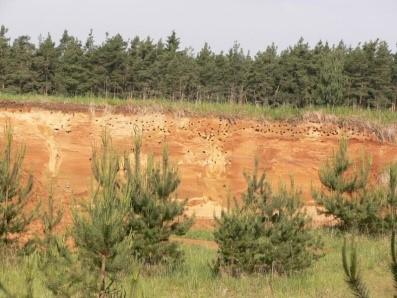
353	277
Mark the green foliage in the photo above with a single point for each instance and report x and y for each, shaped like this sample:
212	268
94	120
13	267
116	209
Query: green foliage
350	265
207	235
131	214
63	276
347	196
156	214
51	217
14	193
45	63
102	244
300	75
332	79
4	56
353	276
268	233
28	280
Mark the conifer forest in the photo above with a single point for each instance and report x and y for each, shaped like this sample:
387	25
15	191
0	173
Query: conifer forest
363	75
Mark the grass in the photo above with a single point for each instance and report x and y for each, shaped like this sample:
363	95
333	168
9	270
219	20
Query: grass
194	278
200	235
381	116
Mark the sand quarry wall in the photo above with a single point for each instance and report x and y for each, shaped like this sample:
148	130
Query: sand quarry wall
211	152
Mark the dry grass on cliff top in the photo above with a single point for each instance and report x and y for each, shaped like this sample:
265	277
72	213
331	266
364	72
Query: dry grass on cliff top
383	122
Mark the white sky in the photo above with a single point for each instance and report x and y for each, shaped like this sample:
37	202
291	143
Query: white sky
253	23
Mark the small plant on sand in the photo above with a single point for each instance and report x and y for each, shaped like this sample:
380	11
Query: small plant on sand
14	193
268	233
155	212
347	195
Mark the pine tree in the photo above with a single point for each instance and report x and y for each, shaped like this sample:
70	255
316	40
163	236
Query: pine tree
71	74
50	219
235	73
267	233
112	56
99	232
155	213
356	66
102	256
347	195
381	76
261	81
173	42
4	56
295	82
206	70
350	263
62	276
22	78
45	64
331	85
133	61
394	78
221	84
353	276
14	194
176	67
143	67
89	81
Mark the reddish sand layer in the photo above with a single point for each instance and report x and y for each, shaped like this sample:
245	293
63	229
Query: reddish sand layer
212	153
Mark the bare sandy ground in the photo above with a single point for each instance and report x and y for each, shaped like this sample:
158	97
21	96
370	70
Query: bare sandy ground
212	153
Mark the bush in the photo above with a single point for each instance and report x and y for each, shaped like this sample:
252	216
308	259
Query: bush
347	195
156	214
267	233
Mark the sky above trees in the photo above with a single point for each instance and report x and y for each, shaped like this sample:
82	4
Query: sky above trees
253	23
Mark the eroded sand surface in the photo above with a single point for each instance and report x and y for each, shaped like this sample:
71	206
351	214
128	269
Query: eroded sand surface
211	153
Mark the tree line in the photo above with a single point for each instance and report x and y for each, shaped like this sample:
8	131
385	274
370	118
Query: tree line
364	75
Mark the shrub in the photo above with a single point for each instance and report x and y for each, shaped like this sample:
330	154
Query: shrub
267	233
156	214
13	193
347	195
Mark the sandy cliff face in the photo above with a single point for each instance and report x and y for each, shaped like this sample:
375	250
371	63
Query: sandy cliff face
211	153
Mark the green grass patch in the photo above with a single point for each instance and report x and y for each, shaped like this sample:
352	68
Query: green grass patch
199	235
195	279
214	108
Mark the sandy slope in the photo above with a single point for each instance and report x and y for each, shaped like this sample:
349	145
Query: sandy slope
211	153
